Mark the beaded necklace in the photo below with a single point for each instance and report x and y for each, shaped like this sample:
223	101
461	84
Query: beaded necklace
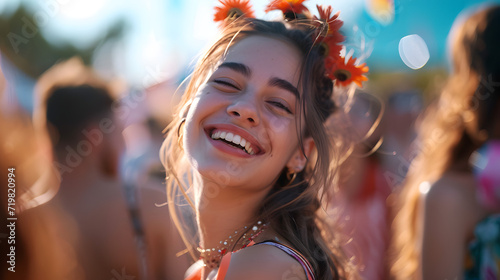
212	256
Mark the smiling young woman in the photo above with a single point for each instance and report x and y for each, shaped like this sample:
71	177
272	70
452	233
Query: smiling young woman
248	154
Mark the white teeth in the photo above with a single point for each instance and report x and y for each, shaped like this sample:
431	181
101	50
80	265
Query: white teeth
216	135
236	139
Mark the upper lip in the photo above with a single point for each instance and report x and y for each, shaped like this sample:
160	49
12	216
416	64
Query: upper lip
254	143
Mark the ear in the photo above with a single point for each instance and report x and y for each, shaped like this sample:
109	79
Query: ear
299	158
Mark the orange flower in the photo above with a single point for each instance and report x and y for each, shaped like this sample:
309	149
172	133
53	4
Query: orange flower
334	23
331	38
346	73
330	49
233	9
286	6
329	64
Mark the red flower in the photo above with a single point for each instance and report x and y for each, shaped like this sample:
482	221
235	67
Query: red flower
330	49
333	23
233	9
347	73
287	6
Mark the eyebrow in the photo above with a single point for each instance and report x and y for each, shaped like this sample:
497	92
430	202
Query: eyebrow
284	84
238	67
246	71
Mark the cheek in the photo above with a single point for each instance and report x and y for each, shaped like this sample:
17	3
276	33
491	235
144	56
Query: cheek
193	117
283	129
201	106
281	125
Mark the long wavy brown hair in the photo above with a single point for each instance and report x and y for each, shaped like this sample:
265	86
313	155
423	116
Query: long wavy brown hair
291	209
452	128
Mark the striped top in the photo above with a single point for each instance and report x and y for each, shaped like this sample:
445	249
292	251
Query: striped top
295	254
224	265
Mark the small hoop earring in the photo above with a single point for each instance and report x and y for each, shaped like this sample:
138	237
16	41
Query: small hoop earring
183	120
291	177
179	135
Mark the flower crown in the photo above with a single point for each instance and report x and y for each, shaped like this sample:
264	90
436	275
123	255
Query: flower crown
329	39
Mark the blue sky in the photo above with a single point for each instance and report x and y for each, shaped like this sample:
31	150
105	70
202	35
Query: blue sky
164	36
431	20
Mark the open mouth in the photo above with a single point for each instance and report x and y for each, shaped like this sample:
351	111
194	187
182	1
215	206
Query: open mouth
234	140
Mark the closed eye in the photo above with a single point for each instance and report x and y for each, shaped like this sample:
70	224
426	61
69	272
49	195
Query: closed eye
226	83
280	106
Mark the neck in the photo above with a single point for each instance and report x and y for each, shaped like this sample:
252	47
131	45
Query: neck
221	213
86	178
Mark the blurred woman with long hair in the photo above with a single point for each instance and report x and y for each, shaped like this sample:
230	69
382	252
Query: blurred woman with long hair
448	195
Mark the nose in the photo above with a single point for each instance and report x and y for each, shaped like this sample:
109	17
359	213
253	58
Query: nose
245	109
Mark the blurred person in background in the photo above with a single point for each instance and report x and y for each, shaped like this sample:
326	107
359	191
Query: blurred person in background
359	211
81	138
448	225
145	179
398	129
79	127
37	253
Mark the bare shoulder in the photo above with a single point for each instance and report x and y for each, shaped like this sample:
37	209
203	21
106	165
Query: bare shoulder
453	196
263	262
453	190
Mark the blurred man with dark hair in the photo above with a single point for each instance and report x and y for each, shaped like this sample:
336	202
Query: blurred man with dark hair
77	127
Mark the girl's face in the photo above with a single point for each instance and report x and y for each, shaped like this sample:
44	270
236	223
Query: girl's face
241	127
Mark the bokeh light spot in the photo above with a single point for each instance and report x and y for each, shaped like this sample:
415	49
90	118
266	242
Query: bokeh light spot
413	51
